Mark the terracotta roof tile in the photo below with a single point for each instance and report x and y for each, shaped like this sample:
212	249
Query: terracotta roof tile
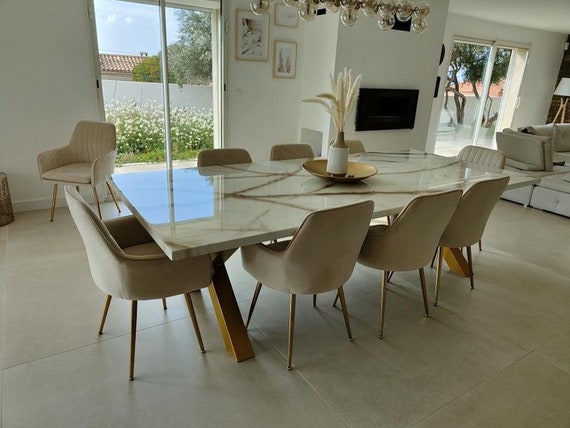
119	63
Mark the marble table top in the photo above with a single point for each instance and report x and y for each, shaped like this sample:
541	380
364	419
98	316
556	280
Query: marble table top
194	211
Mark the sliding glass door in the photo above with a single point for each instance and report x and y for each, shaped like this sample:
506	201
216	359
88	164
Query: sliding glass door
481	94
160	116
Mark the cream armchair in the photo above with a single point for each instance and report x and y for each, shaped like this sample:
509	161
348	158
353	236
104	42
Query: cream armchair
88	159
126	263
319	258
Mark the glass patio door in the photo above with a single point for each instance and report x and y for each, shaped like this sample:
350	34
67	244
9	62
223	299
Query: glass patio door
481	94
134	39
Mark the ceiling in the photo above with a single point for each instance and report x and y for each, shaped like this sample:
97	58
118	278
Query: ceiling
549	15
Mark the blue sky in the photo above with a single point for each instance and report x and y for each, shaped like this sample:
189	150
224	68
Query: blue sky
124	27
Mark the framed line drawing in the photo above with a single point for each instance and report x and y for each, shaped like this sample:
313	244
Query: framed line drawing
252	36
285	16
284	59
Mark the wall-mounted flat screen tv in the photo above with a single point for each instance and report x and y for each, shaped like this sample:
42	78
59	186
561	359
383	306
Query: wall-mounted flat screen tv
378	109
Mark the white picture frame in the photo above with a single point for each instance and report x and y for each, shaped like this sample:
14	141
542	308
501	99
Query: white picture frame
284	59
285	16
252	36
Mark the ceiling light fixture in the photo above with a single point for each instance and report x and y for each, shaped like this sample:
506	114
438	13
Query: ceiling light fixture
387	11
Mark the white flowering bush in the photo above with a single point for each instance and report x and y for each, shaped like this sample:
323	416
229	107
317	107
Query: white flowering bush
140	131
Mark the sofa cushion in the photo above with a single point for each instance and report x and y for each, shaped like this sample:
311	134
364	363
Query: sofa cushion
525	152
561	137
542	130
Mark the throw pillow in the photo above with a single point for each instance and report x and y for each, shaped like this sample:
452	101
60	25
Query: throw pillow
561	137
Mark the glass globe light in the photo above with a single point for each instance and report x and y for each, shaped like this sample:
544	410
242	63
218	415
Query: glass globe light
419	25
386	22
422	10
307	11
291	3
260	7
348	16
330	5
387	7
404	11
370	8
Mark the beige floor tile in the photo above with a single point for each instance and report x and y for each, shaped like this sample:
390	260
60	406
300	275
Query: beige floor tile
531	393
557	351
175	386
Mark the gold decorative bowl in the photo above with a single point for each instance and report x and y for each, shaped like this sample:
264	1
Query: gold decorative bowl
356	171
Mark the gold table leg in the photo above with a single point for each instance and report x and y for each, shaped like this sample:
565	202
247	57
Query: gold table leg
456	261
227	312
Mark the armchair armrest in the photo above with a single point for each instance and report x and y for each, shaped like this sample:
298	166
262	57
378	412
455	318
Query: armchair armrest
51	159
102	167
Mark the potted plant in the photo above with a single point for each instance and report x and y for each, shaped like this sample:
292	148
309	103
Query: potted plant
339	103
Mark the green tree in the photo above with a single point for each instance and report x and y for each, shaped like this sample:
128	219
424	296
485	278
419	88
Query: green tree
190	57
467	64
148	70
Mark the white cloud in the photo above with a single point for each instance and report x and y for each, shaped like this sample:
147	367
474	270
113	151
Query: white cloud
111	18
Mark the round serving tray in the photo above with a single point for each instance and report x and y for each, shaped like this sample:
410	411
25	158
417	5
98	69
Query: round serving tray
356	171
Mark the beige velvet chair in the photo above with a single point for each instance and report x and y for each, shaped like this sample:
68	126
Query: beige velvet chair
409	241
355	146
217	157
319	258
469	220
484	157
126	263
291	151
88	159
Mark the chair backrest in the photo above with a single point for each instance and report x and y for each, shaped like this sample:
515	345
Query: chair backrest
525	151
410	241
355	146
91	140
482	156
470	218
218	157
103	252
291	151
322	253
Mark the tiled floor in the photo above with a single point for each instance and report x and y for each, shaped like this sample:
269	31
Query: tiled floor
496	356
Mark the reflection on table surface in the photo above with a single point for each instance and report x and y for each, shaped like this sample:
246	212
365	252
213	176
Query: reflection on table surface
196	211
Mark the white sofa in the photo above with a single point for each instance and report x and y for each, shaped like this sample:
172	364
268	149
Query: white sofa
540	151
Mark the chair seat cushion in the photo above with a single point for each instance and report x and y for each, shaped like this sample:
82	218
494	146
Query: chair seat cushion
148	249
72	173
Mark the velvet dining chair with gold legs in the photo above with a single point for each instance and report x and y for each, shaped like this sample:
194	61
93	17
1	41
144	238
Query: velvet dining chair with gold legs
126	263
219	157
320	257
87	160
408	242
291	151
468	222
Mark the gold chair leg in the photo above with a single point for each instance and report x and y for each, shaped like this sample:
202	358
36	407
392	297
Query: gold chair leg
113	195
253	302
434	256
164	304
390	274
470	262
438	273
345	312
335	300
77	188
291	330
382	304
97	202
480	246
53	200
424	292
194	321
314	300
105	310
133	338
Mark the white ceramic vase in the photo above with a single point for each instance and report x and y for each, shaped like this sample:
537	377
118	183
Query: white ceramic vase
337	159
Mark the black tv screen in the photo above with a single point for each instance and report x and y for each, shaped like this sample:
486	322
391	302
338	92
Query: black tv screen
378	109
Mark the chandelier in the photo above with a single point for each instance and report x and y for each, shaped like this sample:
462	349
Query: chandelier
387	11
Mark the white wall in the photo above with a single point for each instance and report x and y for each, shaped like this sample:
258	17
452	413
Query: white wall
261	110
47	84
545	56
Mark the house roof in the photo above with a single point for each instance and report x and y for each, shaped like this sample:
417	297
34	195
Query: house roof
112	63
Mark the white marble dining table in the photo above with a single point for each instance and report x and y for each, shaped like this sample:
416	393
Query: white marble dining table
214	210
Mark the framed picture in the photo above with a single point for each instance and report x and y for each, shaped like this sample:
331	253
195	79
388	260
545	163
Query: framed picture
252	36
284	59
285	16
